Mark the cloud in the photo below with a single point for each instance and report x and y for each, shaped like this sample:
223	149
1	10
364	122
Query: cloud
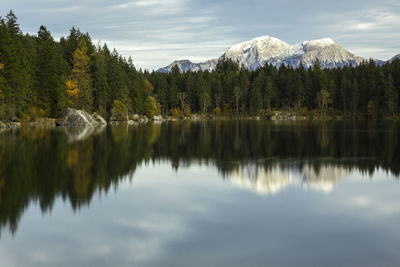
370	32
205	29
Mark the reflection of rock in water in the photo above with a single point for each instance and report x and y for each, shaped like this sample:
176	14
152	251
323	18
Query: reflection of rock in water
274	180
75	134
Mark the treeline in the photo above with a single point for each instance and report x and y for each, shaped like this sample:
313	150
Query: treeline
42	77
352	90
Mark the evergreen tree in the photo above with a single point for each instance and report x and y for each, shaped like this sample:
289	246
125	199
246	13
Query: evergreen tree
100	83
391	96
355	96
50	75
38	73
16	70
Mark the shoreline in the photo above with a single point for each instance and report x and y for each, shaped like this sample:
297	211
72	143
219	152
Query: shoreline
52	123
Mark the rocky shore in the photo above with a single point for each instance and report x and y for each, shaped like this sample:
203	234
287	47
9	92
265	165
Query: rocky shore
81	118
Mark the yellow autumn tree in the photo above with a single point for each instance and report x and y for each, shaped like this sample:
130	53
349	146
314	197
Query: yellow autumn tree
149	87
73	91
79	84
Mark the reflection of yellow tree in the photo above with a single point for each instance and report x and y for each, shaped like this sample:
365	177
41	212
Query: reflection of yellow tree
2	184
154	133
120	133
80	162
324	136
72	158
152	136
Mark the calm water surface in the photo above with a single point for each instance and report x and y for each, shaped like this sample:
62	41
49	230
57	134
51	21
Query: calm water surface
222	193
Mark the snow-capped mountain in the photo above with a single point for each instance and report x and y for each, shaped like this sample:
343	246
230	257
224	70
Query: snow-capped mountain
186	65
327	51
394	58
256	52
266	49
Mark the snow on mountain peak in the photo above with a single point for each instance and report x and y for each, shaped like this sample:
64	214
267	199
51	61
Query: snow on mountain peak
394	58
258	41
252	54
259	51
321	42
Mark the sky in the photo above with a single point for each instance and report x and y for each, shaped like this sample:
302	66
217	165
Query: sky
157	32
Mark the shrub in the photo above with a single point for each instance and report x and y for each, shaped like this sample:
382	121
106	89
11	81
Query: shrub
119	111
217	111
152	107
187	111
227	108
304	111
175	112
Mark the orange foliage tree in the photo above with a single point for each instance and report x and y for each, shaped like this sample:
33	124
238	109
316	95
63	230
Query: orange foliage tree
79	84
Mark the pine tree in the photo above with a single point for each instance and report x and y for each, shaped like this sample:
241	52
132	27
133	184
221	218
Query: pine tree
270	93
100	84
391	96
355	96
16	69
50	75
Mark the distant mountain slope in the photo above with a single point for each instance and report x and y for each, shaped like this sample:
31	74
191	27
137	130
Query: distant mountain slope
186	65
394	58
257	52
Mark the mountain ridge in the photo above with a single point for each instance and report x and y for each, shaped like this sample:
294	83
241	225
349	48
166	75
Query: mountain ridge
262	50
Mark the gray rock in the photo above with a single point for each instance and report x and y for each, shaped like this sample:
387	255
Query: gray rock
76	117
3	125
196	117
135	117
43	122
14	125
143	119
115	123
158	118
99	119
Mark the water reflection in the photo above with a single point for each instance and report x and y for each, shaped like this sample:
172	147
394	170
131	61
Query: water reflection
265	157
277	178
75	134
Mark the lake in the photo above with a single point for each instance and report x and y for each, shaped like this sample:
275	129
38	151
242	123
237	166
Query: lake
217	193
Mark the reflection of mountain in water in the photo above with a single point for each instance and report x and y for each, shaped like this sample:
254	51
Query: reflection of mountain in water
271	181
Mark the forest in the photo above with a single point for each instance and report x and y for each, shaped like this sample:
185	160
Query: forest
41	77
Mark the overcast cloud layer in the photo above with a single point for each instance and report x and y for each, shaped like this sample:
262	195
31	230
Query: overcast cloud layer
156	32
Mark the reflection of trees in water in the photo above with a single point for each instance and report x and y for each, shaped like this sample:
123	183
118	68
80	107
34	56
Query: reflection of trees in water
41	165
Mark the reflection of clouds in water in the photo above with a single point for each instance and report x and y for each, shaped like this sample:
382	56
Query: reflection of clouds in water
276	179
153	234
5	259
129	238
161	217
375	206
